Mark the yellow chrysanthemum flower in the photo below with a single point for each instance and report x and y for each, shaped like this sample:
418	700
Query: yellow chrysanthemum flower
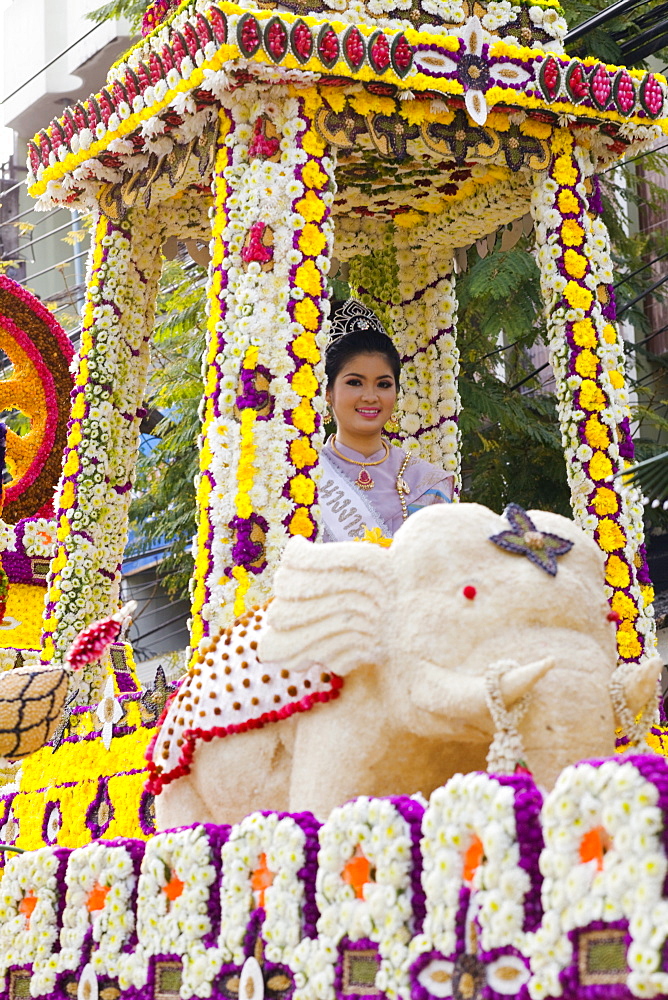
301	523
565	172
584	334
610	535
568	203
572	233
313	176
307	276
308	314
617	573
310	207
575	263
577	296
600	466
624	606
586	364
591	396
302	489
605	501
598	436
303	417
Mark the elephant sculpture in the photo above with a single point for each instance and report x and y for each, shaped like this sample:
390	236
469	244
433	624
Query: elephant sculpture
370	672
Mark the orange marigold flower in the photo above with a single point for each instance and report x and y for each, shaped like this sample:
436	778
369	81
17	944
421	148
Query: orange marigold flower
301	523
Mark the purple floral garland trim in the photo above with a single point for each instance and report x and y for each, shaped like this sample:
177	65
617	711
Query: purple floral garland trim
412	812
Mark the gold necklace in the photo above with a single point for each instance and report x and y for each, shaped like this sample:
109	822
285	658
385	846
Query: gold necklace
364	480
403	489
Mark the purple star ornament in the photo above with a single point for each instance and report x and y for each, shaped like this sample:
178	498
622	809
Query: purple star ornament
525	539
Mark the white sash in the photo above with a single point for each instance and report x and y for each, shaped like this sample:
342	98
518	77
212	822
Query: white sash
345	512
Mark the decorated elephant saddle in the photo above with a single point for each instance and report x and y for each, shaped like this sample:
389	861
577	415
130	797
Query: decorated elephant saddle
227	690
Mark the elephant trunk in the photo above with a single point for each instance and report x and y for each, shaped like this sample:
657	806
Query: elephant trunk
462	700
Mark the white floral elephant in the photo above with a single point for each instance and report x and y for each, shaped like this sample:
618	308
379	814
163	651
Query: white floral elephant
403	644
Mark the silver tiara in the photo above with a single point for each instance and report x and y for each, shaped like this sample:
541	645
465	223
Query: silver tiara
354	317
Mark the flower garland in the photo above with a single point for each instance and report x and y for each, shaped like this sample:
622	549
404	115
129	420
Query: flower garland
604	863
30	908
267	294
98	465
494	197
166	68
177	911
576	280
98	920
429	917
368	891
480	847
269	866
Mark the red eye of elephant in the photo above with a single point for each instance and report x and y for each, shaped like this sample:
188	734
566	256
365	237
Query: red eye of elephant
469	592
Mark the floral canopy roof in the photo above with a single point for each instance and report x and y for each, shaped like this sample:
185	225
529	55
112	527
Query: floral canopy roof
441	106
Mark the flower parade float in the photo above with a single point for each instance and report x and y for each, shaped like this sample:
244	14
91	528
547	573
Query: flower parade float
386	134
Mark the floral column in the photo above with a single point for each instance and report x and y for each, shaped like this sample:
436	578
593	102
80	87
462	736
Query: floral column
414	295
262	411
103	435
587	357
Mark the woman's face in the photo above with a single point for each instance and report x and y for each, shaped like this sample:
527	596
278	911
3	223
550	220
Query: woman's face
363	395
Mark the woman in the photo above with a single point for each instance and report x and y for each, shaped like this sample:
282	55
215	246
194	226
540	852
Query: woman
368	483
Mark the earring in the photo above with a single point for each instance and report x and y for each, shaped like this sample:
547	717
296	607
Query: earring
392	425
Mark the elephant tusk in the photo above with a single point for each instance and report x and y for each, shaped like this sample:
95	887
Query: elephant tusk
639	683
518	681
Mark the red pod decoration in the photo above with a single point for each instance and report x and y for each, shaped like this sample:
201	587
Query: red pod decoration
576	82
328	46
191	39
204	30
144	77
80	116
651	96
402	55
379	52
301	40
33	154
353	47
219	24
248	35
624	92
549	78
120	94
155	68
600	87
276	39
106	105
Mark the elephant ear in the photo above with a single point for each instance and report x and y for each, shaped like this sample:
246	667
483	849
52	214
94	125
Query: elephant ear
332	605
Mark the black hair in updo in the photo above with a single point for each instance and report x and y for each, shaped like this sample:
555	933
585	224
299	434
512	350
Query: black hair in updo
359	335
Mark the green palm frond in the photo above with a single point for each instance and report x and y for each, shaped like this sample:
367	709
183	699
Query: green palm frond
651	476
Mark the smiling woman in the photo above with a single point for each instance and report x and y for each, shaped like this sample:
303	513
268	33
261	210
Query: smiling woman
368	483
